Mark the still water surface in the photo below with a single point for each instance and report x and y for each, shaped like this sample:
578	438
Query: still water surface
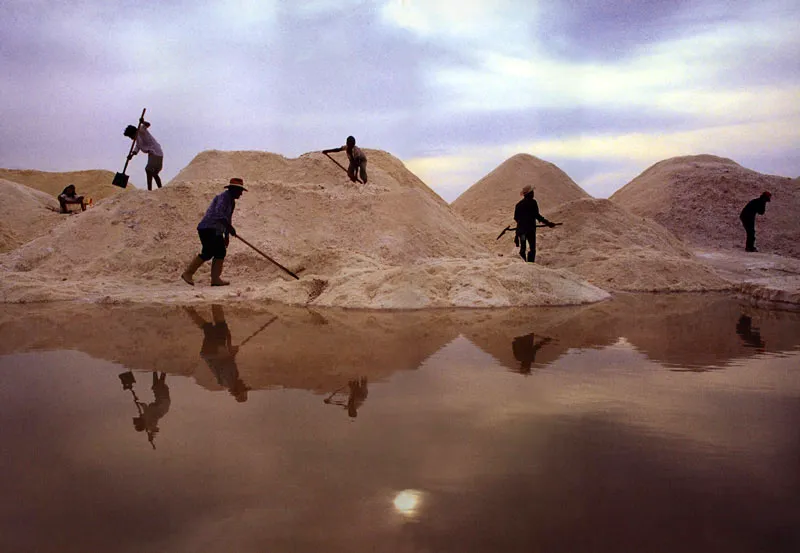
641	424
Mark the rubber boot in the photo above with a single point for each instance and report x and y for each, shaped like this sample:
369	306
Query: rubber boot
216	273
191	269
531	256
522	254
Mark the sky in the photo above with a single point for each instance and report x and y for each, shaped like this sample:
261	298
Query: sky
451	87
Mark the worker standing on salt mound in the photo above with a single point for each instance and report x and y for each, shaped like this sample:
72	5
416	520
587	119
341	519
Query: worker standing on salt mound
358	159
526	213
149	145
748	218
215	230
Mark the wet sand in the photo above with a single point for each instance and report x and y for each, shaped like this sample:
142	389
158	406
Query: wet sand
649	423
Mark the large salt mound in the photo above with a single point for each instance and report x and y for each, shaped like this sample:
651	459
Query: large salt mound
93	183
699	198
492	199
614	249
395	238
25	214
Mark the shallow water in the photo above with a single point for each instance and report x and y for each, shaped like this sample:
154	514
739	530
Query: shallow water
648	423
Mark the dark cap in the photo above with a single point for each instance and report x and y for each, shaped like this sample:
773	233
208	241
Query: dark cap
766	195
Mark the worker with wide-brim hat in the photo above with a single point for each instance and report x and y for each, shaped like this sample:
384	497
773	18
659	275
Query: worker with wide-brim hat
526	213
215	230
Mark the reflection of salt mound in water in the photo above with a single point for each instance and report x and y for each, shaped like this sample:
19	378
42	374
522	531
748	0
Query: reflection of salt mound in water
492	199
92	183
699	198
25	214
305	213
615	249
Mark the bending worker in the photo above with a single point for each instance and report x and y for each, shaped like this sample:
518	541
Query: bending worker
149	145
748	218
526	213
215	230
358	159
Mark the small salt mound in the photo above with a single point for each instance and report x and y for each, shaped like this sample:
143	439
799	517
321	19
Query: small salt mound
699	198
92	183
25	214
492	199
614	249
458	283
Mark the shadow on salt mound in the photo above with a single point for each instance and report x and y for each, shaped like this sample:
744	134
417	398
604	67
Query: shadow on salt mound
699	198
25	214
615	249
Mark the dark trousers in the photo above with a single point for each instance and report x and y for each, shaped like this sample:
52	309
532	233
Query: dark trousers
357	166
750	229
213	244
528	239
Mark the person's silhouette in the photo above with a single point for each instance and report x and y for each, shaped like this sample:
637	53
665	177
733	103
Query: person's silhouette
751	336
218	351
151	413
524	349
357	394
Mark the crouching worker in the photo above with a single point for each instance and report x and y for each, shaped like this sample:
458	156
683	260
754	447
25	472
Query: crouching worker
215	230
526	213
357	158
69	196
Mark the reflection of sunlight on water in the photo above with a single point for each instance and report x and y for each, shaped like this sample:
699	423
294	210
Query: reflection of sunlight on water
407	502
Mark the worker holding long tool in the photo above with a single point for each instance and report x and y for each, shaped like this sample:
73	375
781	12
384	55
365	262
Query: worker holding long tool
526	213
357	158
215	230
144	141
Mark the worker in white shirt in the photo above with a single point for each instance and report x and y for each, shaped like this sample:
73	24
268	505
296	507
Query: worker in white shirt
149	145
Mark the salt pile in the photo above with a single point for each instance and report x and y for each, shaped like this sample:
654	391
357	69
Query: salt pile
614	249
391	244
25	214
492	198
606	245
699	198
92	183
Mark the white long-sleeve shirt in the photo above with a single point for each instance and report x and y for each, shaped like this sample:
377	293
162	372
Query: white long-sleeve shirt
146	143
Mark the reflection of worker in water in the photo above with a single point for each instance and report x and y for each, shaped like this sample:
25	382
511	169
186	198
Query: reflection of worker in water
219	352
751	336
151	413
525	348
357	394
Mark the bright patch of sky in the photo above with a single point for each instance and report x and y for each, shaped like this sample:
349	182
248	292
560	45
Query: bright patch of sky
451	87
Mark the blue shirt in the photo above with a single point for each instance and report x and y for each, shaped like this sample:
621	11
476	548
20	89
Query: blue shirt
219	214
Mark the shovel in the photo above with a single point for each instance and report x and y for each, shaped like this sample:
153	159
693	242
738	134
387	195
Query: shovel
121	179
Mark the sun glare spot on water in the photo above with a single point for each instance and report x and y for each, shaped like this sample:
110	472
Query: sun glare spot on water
407	502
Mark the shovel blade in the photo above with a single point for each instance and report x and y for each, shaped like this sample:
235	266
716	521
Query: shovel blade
121	180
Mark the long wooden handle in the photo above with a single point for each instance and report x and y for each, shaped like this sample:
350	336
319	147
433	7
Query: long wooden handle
342	167
133	142
268	257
